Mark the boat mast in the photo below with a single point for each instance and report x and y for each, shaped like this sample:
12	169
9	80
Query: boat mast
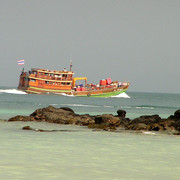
70	65
71	56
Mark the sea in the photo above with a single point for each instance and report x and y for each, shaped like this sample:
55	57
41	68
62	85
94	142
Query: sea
81	153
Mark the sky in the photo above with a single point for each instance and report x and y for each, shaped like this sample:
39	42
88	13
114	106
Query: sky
125	40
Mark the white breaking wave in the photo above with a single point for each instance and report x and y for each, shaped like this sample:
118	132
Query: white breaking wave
11	91
53	104
108	106
80	105
144	107
64	94
148	132
122	95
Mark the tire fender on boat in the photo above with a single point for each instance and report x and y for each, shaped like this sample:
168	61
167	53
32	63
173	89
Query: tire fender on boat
88	95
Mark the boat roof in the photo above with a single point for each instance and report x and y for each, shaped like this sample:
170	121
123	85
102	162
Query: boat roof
52	71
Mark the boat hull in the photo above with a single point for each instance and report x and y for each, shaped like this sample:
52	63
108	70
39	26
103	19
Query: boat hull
102	93
109	92
37	90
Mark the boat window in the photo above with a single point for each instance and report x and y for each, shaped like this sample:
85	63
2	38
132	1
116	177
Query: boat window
64	75
47	82
63	83
68	83
33	80
34	72
46	74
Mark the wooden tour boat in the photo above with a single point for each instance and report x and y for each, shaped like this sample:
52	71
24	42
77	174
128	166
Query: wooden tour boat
44	81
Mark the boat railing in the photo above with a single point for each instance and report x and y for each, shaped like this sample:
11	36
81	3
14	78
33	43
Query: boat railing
51	78
33	75
94	88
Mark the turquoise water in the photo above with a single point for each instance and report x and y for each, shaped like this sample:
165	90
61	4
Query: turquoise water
83	153
13	103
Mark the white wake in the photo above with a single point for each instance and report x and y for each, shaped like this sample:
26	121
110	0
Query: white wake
12	91
122	95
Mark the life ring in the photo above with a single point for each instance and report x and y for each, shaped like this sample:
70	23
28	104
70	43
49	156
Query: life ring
88	95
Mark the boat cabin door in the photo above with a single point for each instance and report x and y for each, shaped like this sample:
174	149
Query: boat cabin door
41	84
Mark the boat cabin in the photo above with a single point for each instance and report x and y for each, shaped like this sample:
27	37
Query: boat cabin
47	79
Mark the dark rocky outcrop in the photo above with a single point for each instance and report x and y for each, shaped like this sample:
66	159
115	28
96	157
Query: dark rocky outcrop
176	115
175	120
121	113
65	115
21	118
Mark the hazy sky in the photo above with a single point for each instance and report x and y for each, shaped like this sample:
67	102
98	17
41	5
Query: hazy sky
134	40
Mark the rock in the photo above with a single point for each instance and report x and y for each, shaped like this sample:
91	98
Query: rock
84	120
124	122
67	109
176	115
167	124
51	114
177	125
102	127
30	128
27	128
52	110
121	113
138	126
107	119
54	115
65	115
175	119
156	127
43	130
100	119
148	119
178	133
21	118
98	126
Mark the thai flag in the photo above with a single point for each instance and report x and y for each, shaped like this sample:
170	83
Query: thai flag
21	62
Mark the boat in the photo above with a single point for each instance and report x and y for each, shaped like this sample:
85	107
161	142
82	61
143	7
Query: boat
45	81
